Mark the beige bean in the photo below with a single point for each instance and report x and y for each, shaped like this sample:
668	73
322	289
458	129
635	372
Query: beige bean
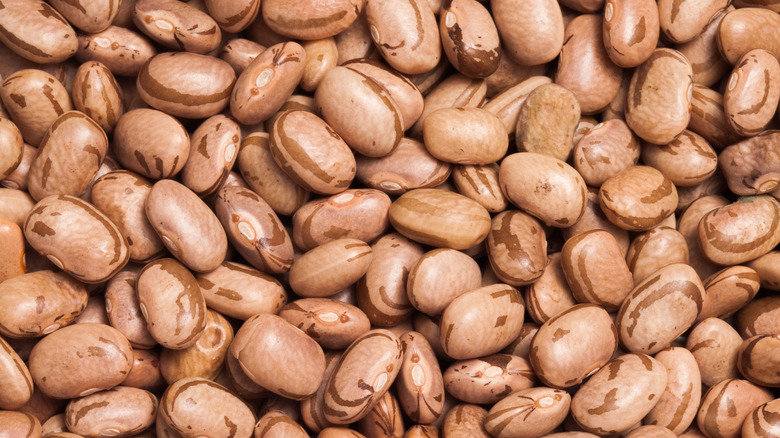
689	227
217	142
354	213
95	312
528	413
674	294
682	22
309	152
631	31
34	99
454	91
751	96
605	150
233	17
90	17
409	166
309	20
659	97
382	292
240	292
707	63
516	247
715	345
97	94
405	33
185	84
121	411
488	379
123	51
584	67
266	83
510	73
686	161
20	425
278	356
766	268
266	178
420	381
465	136
620	394
531	32
276	424
186	226
482	321
756	360
422	431
79	360
506	105
750	166
676	409
758	317
756	217
726	405
550	293
728	290
333	324
572	345
440	276
313	408
737	33
480	183
330	267
167	288
384	419
654	249
76	237
123	309
553	191
177	25
240	52
638	198
761	421
374	359
254	229
440	218
17	381
547	121
465	421
321	56
355	41
12	259
36	31
11	155
151	143
68	158
469	38
205	358
218	412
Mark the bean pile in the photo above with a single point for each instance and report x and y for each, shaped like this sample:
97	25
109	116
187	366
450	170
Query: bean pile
389	218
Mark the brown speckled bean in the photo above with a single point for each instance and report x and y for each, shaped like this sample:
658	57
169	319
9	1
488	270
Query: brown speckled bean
18	384
528	413
631	31
123	51
752	93
469	37
726	406
177	25
516	247
36	31
677	406
329	268
121	411
638	198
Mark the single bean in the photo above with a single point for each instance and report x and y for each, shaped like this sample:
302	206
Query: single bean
528	413
631	31
123	51
469	37
488	379
409	166
36	31
726	405
34	99
121	411
177	25
420	380
329	268
310	20
531	32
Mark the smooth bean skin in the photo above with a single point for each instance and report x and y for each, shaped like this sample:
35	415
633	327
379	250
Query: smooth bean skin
469	38
420	381
159	155
654	249
726	405
240	52
762	422
758	317
238	291
12	260
62	367
481	184
677	407
176	25
454	91
605	150
465	420
507	104
631	31
329	268
765	267
682	22
16	378
665	81
385	418
205	358
547	124
174	82
34	99
333	324
233	17
276	424
186	226
97	94
165	288
36	32
482	321
737	31
374	360
19	425
550	293
440	276
254	229
751	96
687	160
68	158
409	166
12	153
313	408
38	303
123	310
465	136
563	352
554	192
310	20
531	32
638	198
757	361
278	356
728	290
723	245
218	412
90	17
516	247
715	346
123	51
488	379
528	413
620	394
440	218
121	411
708	64
76	237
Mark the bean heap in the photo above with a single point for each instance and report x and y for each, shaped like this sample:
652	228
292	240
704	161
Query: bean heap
389	218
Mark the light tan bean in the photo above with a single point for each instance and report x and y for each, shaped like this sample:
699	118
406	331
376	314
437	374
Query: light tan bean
549	294
469	38
186	226
638	198
159	155
233	17
321	56
330	267
488	379
605	150
333	324
177	25
465	421
737	32
420	381
240	52
97	94
707	63
677	406
715	346
528	413
409	166
123	311
465	136
79	360
12	259
687	160
761	421
454	91
726	406
728	290
11	155
654	249
276	424
752	93
310	20
36	31
17	381
531	32
278	356
440	276
758	317
90	17
547	121
681	22
766	268
631	31
20	425
239	291
121	411
123	51
757	361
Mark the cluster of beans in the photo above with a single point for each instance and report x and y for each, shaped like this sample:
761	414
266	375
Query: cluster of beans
389	218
